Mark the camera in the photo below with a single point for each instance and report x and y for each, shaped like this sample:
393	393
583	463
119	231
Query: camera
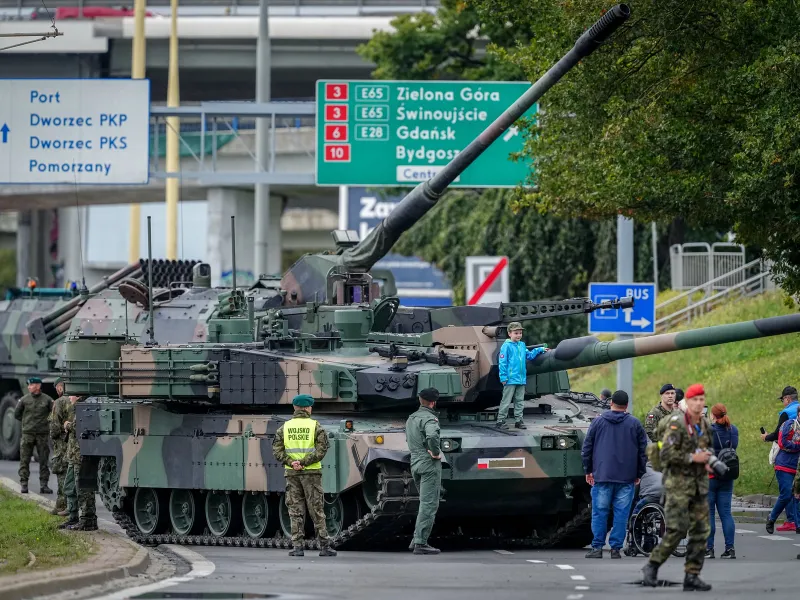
720	468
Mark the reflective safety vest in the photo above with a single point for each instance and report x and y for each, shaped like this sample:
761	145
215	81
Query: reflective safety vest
298	440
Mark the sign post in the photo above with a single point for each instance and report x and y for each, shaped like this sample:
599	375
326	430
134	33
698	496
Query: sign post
401	133
487	279
75	131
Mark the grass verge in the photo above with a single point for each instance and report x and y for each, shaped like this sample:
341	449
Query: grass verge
745	376
25	527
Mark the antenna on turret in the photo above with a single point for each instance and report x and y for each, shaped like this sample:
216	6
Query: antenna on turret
150	280
233	249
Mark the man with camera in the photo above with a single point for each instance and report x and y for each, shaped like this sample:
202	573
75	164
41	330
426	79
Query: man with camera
684	456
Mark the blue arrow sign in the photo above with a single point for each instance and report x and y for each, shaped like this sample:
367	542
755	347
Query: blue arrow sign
4	130
640	319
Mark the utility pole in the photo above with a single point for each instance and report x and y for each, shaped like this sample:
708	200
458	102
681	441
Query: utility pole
138	70
625	275
261	210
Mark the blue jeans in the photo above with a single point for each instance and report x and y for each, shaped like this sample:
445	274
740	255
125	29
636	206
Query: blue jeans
785	498
604	497
720	494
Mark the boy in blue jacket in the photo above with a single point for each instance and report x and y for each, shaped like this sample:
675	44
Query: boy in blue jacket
513	373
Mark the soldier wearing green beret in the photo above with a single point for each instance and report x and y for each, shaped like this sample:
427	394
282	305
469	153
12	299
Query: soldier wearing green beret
59	456
301	444
33	409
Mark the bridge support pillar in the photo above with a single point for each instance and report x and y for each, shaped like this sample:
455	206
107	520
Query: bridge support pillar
223	203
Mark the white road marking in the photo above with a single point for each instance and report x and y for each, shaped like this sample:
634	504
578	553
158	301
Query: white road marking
200	568
577	578
775	538
565	567
582	588
798	545
744	531
503	552
537	562
575	597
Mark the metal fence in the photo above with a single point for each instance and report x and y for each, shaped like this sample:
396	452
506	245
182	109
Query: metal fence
696	263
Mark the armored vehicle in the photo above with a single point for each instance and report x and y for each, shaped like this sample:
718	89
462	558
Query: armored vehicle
178	435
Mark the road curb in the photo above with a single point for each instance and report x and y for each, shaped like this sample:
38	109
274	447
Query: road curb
56	583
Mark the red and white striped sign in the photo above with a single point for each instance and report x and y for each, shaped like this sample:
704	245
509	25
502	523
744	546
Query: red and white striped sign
487	279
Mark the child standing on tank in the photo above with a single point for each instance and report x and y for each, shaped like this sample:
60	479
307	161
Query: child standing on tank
513	374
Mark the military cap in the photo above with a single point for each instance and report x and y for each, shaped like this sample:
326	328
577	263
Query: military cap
59	380
515	326
34	380
666	388
303	400
429	394
696	389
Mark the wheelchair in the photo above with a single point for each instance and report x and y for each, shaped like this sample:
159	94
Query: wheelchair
646	529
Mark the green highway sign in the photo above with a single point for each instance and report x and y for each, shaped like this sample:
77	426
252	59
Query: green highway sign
396	133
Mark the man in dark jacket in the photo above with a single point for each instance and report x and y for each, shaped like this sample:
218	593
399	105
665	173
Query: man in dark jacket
614	460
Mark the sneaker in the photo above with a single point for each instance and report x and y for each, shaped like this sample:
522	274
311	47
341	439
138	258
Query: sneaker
729	553
595	553
501	425
770	526
710	553
520	425
615	553
787	526
425	549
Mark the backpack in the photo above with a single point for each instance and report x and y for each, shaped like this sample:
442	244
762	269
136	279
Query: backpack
731	459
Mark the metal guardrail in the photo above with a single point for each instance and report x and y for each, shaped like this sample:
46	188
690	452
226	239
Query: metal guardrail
753	278
213	125
694	263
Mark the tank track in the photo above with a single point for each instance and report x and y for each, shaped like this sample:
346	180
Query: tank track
396	506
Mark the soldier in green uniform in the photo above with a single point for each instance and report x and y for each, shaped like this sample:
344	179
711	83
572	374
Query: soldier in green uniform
33	410
79	482
59	456
422	436
684	452
301	444
661	410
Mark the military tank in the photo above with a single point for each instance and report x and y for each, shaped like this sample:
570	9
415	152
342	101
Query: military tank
179	434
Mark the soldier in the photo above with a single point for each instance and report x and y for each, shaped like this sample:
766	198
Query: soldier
684	454
661	410
80	494
422	436
33	409
59	456
301	444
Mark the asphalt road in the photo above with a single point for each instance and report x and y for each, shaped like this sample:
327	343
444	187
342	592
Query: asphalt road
766	566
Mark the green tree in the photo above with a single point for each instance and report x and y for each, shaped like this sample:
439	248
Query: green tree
551	256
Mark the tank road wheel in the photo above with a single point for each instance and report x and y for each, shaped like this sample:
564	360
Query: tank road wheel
10	431
258	517
222	513
283	517
150	511
340	512
183	513
111	494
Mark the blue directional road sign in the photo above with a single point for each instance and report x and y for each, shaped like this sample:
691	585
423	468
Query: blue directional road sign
641	319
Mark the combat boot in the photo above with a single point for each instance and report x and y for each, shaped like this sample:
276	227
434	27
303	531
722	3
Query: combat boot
55	511
425	549
693	583
44	489
68	523
650	574
23	488
298	551
520	425
327	551
84	526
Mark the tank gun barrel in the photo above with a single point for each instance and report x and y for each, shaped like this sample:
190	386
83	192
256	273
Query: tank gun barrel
424	197
589	351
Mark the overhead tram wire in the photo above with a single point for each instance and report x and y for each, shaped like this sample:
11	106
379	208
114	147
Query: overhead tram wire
40	36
